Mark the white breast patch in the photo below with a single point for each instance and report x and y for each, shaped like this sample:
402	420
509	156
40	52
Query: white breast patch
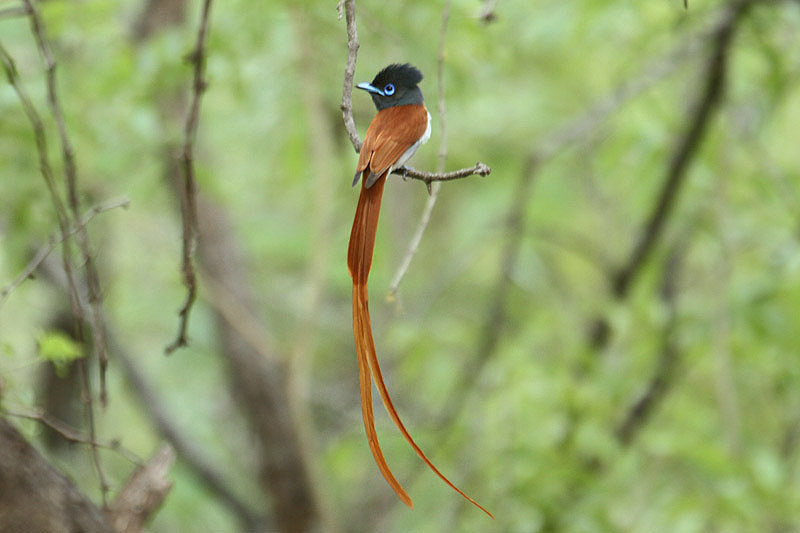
413	148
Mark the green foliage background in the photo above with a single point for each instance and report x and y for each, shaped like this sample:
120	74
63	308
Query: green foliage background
534	438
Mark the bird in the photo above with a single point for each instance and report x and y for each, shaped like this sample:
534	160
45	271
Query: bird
401	125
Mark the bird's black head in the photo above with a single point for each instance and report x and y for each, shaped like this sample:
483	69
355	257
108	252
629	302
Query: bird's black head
395	85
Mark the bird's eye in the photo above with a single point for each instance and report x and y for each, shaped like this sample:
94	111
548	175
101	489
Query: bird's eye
388	90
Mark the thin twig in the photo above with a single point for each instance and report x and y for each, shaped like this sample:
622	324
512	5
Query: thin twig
54	241
190	452
480	169
90	272
349	8
72	435
88	410
188	192
45	168
414	243
71	182
433	191
64	225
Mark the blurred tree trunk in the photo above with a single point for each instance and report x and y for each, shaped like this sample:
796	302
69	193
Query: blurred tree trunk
258	379
59	391
36	497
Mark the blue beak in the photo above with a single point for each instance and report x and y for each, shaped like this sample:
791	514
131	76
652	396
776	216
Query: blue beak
369	88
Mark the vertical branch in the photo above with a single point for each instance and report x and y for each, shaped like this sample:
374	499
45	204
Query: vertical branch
71	180
63	222
46	170
349	8
433	190
702	110
641	410
687	146
188	193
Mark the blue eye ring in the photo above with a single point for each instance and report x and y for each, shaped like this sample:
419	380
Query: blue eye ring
388	90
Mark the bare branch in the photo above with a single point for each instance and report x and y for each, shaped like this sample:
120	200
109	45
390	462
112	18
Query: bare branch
480	169
686	147
72	435
415	240
349	7
54	241
90	271
641	410
61	214
189	451
189	191
46	170
71	180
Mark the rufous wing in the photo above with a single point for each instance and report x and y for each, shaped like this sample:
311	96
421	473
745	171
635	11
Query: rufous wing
393	131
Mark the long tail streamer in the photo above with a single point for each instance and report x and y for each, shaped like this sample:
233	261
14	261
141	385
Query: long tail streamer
359	262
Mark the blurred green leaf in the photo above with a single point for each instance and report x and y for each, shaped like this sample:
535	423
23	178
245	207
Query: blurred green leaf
58	348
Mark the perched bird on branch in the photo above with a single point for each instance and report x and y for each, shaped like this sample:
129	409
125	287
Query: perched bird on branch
401	125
